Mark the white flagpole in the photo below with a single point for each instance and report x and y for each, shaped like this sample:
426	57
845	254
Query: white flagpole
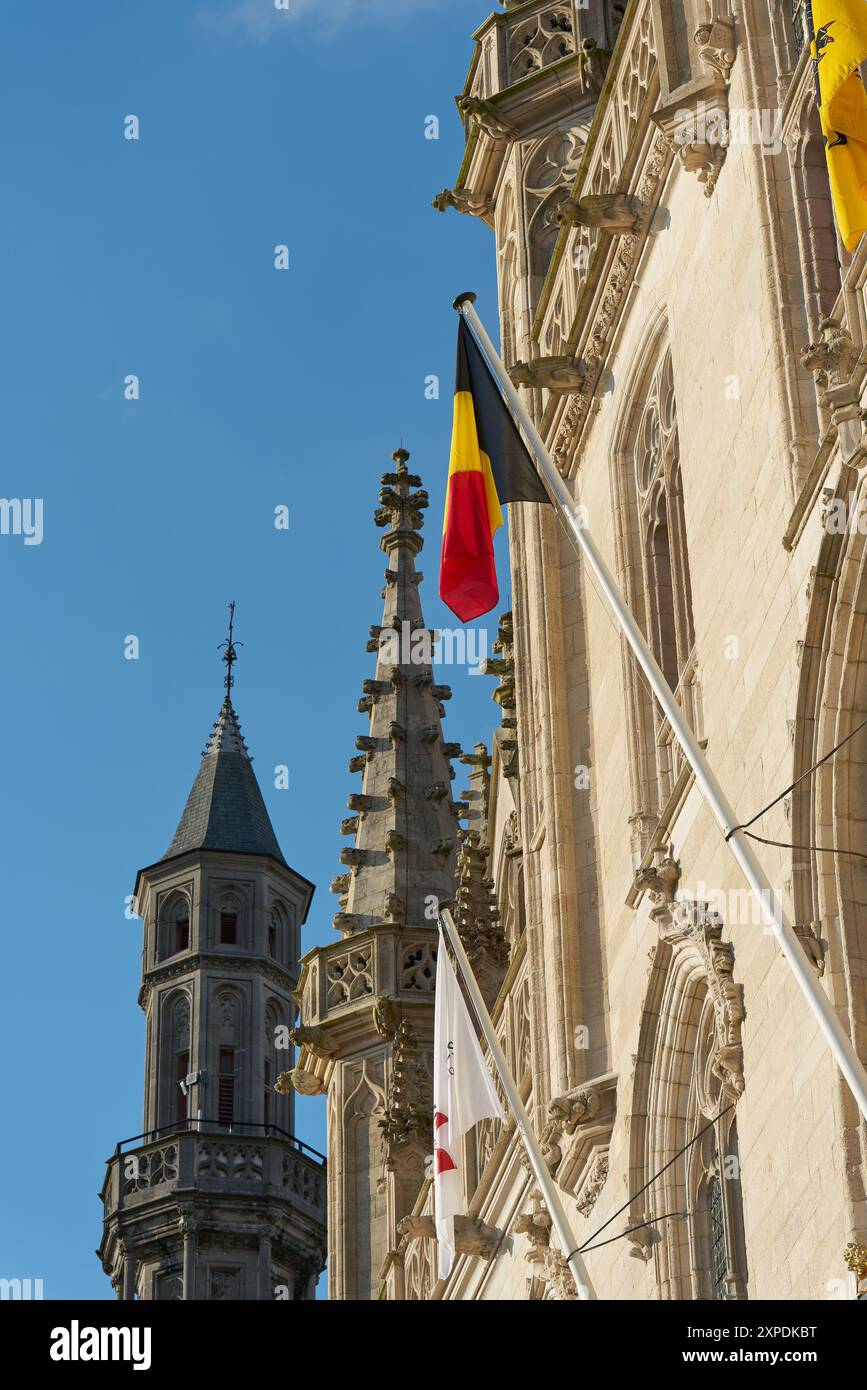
547	1186
826	1015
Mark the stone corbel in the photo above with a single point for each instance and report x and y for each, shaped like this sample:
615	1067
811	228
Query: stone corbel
560	375
716	46
660	880
394	843
347	921
832	359
642	1240
355	857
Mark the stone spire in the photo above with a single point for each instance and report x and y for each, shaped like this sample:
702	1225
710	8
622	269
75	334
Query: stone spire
404	824
367	998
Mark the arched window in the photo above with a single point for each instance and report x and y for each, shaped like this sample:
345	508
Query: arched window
224	1096
654	565
175	1057
667	584
173	934
230	924
683	1134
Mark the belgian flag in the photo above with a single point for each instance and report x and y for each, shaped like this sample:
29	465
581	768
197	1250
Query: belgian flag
489	465
838	46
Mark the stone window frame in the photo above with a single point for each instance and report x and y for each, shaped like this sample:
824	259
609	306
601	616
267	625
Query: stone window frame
648	494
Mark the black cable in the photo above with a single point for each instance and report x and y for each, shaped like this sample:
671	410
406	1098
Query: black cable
808	773
679	1153
654	1220
819	849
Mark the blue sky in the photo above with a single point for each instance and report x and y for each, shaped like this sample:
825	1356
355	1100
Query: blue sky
257	388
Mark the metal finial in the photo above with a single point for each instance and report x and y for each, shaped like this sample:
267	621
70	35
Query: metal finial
230	656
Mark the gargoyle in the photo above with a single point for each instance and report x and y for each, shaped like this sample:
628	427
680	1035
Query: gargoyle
616	213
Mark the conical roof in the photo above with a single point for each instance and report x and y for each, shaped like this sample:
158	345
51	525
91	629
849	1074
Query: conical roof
225	809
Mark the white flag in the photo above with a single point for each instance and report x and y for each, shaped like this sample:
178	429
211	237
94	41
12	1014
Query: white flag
463	1094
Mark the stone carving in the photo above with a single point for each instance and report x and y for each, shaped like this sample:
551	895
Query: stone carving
417	1227
539	40
462	200
487	117
478	917
385	1016
409	1110
418	968
349	976
546	1261
314	1038
659	879
303	1181
704	154
565	1113
304	1082
601	325
619	214
594	1185
716	46
832	358
560	375
695	922
642	1239
225	1161
150	1168
503	666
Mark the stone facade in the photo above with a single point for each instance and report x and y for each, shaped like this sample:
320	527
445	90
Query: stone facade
690	339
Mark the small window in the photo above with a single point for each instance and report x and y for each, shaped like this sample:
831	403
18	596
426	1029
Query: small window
228	928
182	934
226	1087
272	940
269	1094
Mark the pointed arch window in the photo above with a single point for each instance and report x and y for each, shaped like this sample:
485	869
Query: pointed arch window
668	588
655	560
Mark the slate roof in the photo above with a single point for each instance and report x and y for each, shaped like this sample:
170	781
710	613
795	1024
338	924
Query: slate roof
225	809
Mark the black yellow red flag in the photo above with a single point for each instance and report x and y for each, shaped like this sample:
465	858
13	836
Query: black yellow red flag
838	46
489	465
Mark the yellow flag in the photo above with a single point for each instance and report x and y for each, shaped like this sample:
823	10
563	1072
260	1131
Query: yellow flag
838	46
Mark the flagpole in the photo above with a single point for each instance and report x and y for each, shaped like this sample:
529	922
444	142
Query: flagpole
551	1196
826	1015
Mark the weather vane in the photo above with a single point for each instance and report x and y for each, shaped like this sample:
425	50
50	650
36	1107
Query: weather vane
230	655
